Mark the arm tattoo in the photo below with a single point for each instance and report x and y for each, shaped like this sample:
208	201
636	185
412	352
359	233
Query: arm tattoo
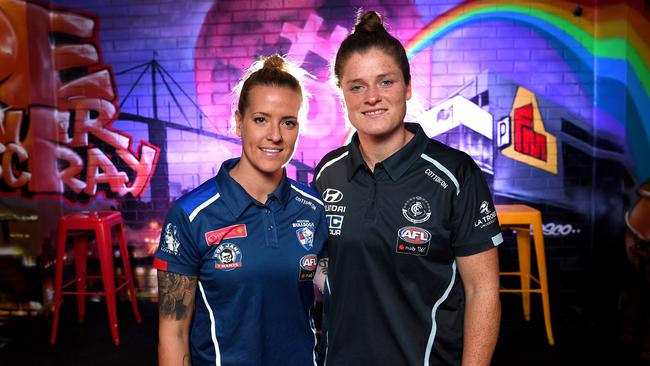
323	263
176	295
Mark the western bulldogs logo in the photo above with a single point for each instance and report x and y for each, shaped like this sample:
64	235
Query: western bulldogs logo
306	237
228	257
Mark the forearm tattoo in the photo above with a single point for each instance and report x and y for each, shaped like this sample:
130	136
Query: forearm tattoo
322	265
176	294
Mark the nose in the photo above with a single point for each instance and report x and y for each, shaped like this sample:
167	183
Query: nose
373	96
274	132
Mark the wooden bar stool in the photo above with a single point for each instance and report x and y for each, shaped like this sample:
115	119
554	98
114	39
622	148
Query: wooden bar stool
101	224
523	219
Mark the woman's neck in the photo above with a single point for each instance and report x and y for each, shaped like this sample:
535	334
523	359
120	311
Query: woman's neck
375	149
257	184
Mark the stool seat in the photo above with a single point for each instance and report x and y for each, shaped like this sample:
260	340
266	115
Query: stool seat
523	219
100	224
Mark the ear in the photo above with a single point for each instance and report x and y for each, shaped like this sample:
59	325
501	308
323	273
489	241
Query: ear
238	122
409	91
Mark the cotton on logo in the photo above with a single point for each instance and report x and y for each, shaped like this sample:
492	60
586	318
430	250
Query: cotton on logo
332	195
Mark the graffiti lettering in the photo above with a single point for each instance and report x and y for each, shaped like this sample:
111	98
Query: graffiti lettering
55	168
527	141
531	143
553	229
56	136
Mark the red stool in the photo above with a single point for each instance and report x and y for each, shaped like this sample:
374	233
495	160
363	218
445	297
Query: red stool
101	222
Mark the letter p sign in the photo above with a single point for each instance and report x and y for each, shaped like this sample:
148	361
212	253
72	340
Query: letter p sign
503	132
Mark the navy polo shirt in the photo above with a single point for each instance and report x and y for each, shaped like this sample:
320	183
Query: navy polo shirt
255	263
396	296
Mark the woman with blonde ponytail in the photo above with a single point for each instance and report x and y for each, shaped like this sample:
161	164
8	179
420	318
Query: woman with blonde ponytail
239	253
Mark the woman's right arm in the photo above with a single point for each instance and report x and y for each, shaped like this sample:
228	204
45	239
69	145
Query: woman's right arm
176	305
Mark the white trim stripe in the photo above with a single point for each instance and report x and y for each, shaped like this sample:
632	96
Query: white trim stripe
330	163
213	327
312	326
434	325
443	169
205	204
307	194
497	239
327	282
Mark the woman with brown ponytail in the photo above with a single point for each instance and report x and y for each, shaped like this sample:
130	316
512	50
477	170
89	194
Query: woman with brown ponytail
238	253
413	265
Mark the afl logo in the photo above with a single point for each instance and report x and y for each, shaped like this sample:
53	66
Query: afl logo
332	195
414	235
309	262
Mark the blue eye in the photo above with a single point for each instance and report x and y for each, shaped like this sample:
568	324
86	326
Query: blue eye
355	88
387	82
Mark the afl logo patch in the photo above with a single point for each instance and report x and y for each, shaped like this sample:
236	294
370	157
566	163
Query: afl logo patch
227	257
308	266
331	195
416	210
414	235
413	240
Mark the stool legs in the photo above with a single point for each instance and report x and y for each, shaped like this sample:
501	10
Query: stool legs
523	251
127	272
543	282
58	281
80	259
108	277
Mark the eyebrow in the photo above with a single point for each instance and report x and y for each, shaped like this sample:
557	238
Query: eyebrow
268	115
380	76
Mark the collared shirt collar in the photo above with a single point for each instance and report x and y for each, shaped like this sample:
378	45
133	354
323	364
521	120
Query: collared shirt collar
398	163
237	199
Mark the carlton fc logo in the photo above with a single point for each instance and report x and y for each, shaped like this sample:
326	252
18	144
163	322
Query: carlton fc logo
416	210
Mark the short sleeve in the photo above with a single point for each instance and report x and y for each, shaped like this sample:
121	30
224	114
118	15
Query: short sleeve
474	218
177	251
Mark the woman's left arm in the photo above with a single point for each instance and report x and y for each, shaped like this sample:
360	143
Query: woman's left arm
480	275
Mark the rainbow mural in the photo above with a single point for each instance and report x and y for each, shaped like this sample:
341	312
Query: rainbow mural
611	41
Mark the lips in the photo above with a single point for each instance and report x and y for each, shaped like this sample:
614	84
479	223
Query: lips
375	112
270	150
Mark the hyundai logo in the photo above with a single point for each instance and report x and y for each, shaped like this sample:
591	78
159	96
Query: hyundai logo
332	195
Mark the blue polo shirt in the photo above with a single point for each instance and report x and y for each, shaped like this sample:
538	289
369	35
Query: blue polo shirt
254	262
